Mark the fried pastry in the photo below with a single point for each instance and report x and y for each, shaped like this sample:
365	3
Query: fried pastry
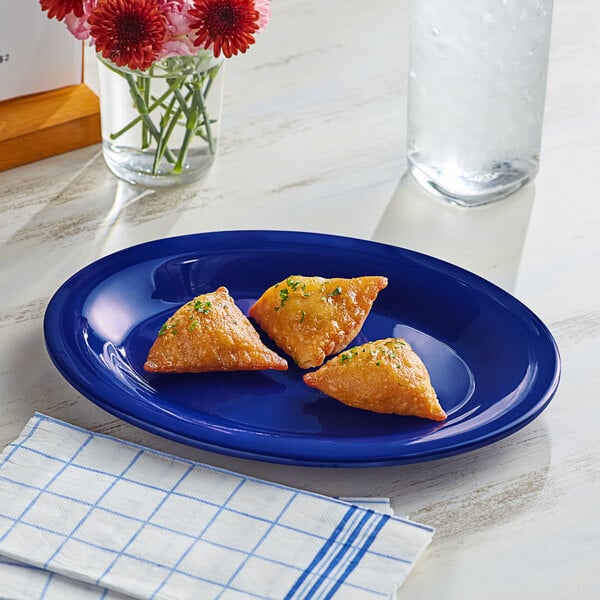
311	318
385	376
210	333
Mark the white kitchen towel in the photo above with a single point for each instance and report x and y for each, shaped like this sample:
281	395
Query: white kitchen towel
90	511
19	581
24	582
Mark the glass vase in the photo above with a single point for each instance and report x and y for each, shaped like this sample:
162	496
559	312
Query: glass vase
160	126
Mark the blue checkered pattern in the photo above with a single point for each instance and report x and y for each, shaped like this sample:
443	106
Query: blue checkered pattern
87	511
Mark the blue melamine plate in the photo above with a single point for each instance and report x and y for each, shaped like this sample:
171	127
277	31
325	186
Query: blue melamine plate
494	364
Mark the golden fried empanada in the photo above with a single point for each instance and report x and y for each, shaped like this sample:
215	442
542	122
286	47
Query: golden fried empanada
311	318
385	376
210	333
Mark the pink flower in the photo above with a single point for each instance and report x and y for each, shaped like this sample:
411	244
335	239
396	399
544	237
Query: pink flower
264	11
178	23
176	13
177	40
177	47
78	26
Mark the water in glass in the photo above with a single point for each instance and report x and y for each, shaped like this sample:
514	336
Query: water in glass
476	95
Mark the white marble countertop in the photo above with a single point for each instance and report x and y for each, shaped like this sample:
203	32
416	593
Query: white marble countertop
313	138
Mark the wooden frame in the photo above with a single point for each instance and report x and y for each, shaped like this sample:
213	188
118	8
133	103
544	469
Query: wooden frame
49	123
42	125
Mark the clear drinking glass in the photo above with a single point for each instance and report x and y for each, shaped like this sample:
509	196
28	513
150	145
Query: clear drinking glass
476	95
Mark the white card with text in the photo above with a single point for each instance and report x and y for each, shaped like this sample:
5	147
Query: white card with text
37	54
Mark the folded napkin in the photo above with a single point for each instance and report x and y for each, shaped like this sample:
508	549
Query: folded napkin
83	515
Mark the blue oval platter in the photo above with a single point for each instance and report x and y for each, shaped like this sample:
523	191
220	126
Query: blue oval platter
493	363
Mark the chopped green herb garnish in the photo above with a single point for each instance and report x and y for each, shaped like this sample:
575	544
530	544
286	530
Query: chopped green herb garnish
172	327
202	307
292	283
336	292
284	296
302	317
344	358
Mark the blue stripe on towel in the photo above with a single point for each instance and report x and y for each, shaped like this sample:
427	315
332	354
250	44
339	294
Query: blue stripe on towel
357	558
322	552
347	546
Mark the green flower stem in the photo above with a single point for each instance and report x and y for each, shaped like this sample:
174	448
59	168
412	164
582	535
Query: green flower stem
144	84
167	125
142	109
212	75
183	102
190	129
199	96
158	102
